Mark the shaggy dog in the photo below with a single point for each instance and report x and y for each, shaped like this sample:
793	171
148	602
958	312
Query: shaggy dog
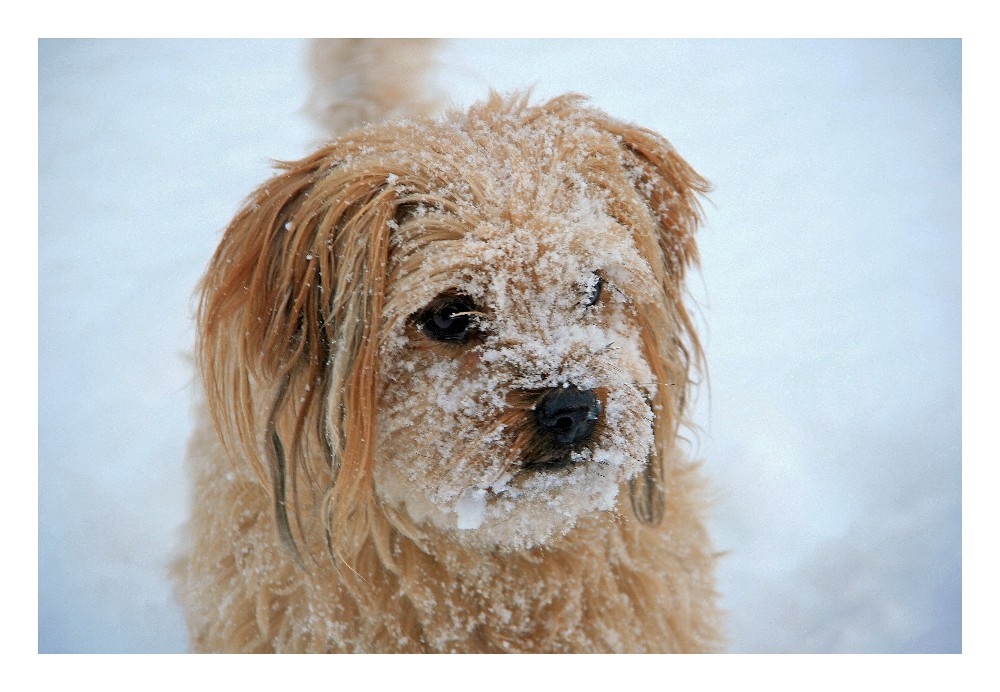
445	364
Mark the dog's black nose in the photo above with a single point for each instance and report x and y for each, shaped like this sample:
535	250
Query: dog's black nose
568	415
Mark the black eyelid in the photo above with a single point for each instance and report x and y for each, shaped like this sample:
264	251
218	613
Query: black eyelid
594	294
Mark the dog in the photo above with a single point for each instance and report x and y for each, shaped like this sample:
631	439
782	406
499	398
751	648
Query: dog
446	361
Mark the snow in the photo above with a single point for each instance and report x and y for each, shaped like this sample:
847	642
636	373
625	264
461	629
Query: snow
830	301
471	509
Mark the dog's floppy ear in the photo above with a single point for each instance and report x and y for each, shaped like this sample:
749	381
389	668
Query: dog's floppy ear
289	320
670	188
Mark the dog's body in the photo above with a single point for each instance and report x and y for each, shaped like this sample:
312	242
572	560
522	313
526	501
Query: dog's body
446	362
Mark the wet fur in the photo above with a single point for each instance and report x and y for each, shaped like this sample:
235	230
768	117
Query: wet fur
314	286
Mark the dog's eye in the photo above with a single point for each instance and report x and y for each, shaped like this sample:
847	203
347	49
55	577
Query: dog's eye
449	320
594	293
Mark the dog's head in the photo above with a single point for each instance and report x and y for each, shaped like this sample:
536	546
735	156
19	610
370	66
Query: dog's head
474	324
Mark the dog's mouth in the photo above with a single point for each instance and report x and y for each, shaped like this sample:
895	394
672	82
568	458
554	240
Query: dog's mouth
552	460
548	464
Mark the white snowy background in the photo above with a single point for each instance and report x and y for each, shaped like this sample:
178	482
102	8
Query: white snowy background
830	300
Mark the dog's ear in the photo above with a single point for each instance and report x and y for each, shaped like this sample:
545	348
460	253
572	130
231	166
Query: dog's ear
670	188
289	321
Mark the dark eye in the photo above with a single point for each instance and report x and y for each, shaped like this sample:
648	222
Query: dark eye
594	294
448	319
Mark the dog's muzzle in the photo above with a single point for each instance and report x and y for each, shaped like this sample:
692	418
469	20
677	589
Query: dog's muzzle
567	416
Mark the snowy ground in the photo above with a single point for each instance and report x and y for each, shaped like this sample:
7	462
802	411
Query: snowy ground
830	293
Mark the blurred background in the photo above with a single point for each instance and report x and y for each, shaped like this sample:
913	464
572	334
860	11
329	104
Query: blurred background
830	308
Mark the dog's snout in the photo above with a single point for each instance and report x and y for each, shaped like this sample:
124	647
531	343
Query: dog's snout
568	415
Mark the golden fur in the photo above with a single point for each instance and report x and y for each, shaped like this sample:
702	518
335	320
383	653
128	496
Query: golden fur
340	446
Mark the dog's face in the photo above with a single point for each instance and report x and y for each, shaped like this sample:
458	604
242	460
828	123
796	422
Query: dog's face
515	394
477	322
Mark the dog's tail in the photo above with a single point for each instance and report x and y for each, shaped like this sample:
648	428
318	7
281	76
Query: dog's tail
358	81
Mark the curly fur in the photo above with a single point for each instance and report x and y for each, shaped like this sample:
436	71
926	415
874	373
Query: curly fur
340	447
